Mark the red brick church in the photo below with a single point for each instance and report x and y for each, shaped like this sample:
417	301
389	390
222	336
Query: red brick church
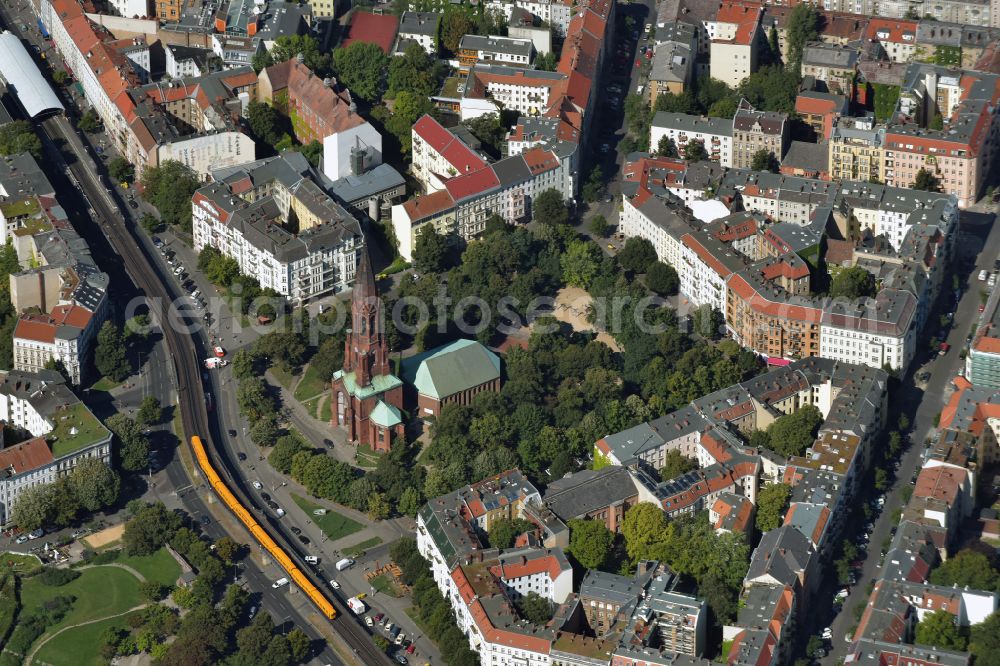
367	397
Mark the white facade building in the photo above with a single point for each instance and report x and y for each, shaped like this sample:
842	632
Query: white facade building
716	134
342	149
131	8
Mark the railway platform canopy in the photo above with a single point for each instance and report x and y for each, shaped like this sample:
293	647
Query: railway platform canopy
24	80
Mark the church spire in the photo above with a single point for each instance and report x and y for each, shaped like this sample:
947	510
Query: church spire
365	351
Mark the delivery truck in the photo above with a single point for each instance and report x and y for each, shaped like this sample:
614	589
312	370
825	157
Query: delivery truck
356	605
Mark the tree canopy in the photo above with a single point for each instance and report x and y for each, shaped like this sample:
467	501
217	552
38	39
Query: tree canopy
550	208
791	434
968	568
637	255
110	355
19	137
169	187
590	542
772	500
803	27
361	67
852	282
927	181
938	629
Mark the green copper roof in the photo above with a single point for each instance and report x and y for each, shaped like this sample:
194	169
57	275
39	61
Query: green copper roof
380	384
385	415
455	367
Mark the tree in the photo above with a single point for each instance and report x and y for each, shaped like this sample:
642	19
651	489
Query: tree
547	61
134	445
707	322
60	77
926	181
34	508
772	500
550	208
407	109
853	282
803	27
19	137
666	147
599	226
361	66
504	531
378	507
150	529
774	46
590	542
764	160
89	122
227	549
121	170
313	151
984	641
94	484
265	122
694	151
580	263
299	645
409	502
594	186
662	279
637	255
535	608
287	348
169	187
150	411
642	527
110	354
938	629
430	251
968	568
671	103
291	46
791	434
675	464
415	71
455	24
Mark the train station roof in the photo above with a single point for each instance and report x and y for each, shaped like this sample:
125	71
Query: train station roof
24	80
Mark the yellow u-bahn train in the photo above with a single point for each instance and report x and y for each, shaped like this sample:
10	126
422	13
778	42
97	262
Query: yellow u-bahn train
276	551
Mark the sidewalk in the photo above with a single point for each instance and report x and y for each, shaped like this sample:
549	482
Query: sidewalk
320	434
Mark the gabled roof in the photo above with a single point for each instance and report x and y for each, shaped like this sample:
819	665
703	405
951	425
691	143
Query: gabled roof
447	370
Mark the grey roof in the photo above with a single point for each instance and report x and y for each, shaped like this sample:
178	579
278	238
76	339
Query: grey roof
871	652
671	62
819	54
507	45
45	390
690	123
382	178
807	156
283	18
783	554
583	492
23	78
419	23
618	590
512	170
21	176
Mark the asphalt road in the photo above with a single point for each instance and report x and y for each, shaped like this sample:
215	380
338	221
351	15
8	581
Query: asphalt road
979	241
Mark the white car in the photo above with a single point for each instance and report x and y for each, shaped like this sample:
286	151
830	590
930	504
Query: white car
256	484
982	276
368	621
334	584
312	559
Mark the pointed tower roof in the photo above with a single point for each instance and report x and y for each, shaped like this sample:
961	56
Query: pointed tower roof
364	280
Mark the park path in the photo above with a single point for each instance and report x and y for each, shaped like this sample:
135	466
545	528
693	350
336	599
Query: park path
134	572
38	646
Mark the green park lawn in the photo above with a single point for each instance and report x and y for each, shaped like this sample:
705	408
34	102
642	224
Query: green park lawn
286	379
79	646
100	592
357	550
385	585
160	566
310	386
334	525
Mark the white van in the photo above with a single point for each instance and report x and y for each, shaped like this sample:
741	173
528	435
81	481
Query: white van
281	582
345	563
312	559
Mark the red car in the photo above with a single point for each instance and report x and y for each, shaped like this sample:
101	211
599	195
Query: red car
220	352
412	648
378	618
982	308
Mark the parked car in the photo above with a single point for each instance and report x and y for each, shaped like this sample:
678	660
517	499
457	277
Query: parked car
257	485
368	621
40	532
335	585
265	497
22	539
304	540
219	351
296	531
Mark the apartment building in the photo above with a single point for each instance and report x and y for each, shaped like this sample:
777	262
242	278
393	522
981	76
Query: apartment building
736	36
420	28
896	36
831	64
673	60
322	110
821	111
63	432
526	91
960	152
758	130
282	228
856	150
715	134
476	49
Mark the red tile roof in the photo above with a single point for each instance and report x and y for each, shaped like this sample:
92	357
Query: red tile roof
892	29
471	184
43	327
462	158
942	482
419	208
745	16
378	29
26	456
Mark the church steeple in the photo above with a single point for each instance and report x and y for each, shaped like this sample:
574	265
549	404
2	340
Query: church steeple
365	352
